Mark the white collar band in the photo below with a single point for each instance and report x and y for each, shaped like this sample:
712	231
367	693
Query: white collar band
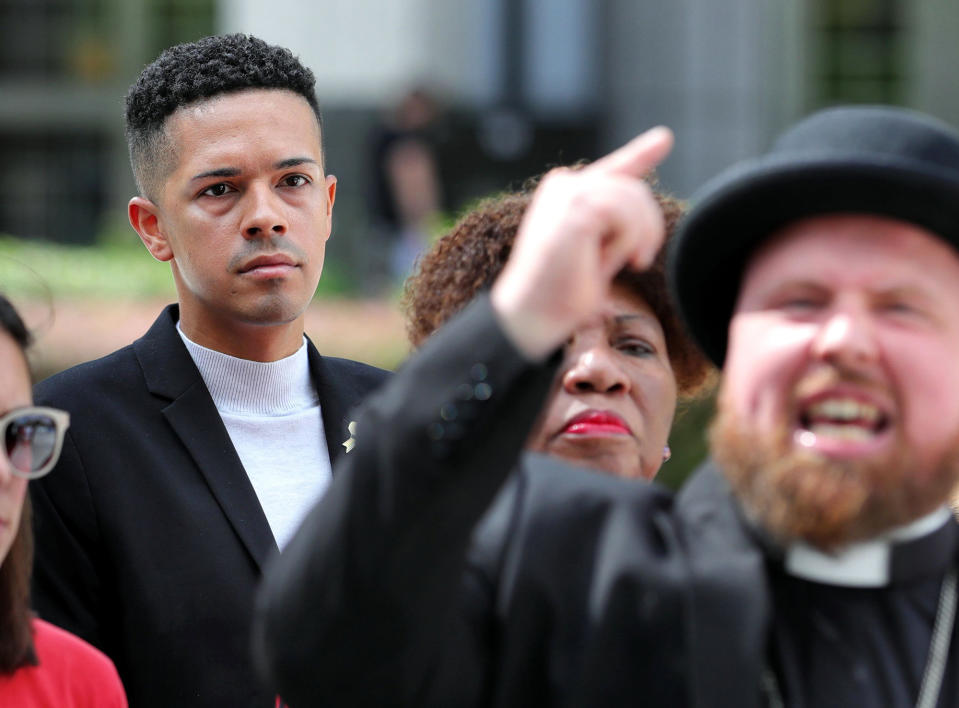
864	565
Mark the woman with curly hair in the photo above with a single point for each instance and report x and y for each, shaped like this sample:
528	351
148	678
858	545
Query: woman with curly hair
613	401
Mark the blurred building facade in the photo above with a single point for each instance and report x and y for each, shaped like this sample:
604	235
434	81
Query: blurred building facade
526	84
64	69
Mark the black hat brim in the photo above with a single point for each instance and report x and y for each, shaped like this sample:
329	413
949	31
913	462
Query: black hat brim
744	206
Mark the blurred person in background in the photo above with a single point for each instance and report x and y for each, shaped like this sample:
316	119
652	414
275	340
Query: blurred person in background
196	450
612	403
407	190
41	666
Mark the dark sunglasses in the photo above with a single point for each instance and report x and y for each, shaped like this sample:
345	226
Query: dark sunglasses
32	438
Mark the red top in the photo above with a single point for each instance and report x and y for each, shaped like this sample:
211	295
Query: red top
71	674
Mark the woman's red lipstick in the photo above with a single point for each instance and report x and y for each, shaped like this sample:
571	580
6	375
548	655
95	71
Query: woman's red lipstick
596	423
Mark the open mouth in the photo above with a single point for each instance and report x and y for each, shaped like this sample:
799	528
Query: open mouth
843	419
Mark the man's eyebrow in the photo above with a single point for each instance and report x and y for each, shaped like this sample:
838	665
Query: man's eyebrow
234	171
293	162
219	172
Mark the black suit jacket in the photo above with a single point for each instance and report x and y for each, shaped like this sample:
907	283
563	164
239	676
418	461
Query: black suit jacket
402	588
575	588
150	537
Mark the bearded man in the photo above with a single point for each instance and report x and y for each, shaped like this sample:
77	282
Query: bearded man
812	564
838	425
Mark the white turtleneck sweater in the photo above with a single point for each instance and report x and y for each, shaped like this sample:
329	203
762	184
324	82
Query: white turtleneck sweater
272	413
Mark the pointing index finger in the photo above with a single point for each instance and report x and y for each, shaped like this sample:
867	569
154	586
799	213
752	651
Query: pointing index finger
638	156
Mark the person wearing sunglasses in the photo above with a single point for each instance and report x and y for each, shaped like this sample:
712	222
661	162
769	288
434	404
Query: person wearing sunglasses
40	665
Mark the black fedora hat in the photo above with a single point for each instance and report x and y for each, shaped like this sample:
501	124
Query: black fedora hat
877	160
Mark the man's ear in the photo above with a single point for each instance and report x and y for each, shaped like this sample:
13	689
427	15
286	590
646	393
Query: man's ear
330	193
145	220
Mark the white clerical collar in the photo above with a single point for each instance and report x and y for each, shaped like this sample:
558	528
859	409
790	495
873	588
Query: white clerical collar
864	565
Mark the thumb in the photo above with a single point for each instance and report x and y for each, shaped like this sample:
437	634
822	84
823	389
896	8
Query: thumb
638	156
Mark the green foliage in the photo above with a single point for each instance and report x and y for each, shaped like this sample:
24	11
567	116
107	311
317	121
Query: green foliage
30	267
114	269
687	441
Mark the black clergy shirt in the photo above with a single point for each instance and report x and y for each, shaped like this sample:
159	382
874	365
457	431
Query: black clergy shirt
863	646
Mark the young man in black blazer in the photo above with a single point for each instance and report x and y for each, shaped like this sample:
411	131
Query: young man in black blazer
196	450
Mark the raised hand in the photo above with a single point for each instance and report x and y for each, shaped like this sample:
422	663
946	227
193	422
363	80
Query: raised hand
581	228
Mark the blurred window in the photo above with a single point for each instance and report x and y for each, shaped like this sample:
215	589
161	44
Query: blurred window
176	21
62	168
76	39
550	58
858	51
52	184
56	38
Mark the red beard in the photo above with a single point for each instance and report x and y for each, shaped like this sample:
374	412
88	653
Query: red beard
796	494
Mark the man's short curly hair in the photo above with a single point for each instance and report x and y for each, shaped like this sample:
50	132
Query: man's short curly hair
470	257
199	70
